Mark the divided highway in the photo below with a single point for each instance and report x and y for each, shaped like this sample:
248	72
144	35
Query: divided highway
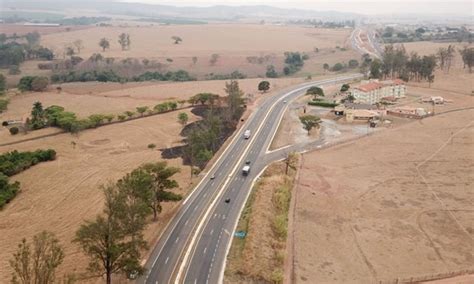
194	245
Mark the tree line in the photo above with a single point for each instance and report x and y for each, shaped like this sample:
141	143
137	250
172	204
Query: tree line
12	163
396	63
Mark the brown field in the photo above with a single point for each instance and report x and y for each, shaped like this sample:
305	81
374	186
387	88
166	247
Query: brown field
201	40
57	196
397	204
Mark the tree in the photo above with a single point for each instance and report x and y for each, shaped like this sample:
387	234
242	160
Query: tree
353	63
195	60
39	83
326	67
104	43
183	118
37	264
32	38
129	113
124	41
214	58
113	241
161	175
96	119
271	72
141	110
235	100
264	86
345	87
78	44
3	84
445	57
467	54
315	91
176	39
38	116
309	121
375	66
69	50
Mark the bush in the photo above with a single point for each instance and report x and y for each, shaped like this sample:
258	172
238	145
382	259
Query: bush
322	104
14	130
7	191
151	146
3	105
14	162
39	84
5	123
271	72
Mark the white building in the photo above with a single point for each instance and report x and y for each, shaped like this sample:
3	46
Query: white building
371	92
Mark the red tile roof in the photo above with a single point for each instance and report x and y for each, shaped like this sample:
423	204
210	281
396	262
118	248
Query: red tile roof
369	86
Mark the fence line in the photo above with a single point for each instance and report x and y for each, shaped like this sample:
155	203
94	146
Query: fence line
431	277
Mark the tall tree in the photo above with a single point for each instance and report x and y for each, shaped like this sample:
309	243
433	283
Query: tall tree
3	84
38	264
78	44
38	116
235	100
113	241
32	38
104	43
124	41
375	67
467	54
161	175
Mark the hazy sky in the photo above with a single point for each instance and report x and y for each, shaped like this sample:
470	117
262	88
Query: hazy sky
464	7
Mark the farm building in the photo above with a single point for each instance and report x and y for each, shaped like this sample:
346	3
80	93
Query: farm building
372	92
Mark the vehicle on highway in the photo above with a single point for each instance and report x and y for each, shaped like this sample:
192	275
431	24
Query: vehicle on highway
284	101
227	200
247	134
247	162
213	176
246	170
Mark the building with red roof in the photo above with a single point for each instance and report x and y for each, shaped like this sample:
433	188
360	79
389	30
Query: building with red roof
371	92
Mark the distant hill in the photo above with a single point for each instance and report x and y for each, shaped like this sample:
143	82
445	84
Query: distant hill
220	12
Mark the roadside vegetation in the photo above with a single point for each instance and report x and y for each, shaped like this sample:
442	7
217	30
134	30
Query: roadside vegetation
260	255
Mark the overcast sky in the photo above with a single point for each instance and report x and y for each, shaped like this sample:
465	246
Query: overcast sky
464	7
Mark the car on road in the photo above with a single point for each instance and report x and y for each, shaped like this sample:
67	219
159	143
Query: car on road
213	176
285	101
247	134
246	170
227	200
247	162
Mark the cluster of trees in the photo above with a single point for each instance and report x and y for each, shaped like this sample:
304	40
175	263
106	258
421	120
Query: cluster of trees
12	54
206	136
353	63
322	24
396	63
232	76
390	35
111	76
259	59
33	83
114	240
467	54
14	162
294	61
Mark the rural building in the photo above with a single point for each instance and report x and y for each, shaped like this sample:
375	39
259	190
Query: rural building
372	92
434	99
409	112
41	25
360	114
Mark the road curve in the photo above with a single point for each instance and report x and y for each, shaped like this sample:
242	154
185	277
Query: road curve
194	245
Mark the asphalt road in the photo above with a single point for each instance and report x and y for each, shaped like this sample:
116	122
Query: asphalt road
358	45
194	245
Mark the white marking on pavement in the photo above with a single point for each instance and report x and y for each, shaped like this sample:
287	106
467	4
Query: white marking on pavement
175	241
167	258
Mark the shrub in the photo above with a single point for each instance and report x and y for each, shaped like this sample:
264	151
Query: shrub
3	105
322	104
14	70
15	162
14	130
271	72
39	84
5	123
151	146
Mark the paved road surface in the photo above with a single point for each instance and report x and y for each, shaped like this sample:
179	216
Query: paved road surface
194	246
374	49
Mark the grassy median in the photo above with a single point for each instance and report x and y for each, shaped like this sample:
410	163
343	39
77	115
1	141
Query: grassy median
261	254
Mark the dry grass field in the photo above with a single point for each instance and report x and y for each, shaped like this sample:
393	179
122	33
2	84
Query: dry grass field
397	204
58	196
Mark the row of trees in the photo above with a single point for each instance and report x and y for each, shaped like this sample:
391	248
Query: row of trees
206	136
111	76
114	240
396	63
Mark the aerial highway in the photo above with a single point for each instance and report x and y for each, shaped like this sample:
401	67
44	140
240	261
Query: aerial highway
194	245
